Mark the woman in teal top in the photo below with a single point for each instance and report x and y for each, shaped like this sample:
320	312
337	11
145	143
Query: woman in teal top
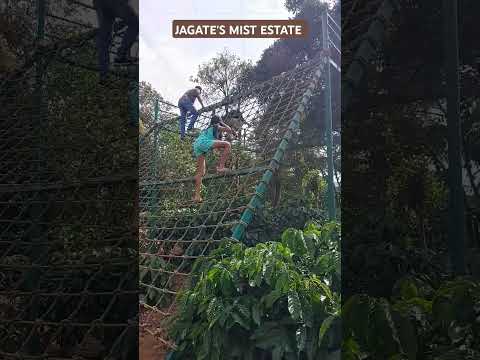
206	141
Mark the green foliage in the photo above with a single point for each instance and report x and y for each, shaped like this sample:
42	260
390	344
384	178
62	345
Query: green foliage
314	188
152	272
147	98
221	75
284	54
295	208
175	158
271	301
418	323
296	6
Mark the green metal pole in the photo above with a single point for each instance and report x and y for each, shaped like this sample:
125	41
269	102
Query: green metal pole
37	233
39	70
155	139
37	209
41	10
133	103
328	122
456	233
154	175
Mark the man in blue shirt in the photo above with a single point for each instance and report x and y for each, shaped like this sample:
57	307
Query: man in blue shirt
185	105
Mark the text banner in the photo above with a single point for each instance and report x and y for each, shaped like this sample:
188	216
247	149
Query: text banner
279	29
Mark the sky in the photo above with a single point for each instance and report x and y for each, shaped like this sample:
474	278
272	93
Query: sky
167	63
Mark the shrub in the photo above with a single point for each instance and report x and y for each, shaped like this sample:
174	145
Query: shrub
271	301
420	322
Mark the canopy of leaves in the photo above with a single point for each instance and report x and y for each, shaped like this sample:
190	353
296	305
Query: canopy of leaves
149	99
221	75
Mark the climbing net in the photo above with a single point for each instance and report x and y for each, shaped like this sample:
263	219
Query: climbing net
68	163
174	230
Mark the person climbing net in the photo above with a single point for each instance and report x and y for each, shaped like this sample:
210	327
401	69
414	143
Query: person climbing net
185	104
206	141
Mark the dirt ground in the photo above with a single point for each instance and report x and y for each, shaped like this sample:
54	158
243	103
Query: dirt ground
155	346
151	346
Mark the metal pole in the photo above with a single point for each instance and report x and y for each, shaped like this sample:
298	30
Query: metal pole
153	193
328	122
36	210
37	233
41	11
456	233
133	103
155	139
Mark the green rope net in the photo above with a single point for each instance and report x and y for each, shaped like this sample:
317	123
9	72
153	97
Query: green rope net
174	230
68	252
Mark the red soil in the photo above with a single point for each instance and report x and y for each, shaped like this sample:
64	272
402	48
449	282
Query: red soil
153	343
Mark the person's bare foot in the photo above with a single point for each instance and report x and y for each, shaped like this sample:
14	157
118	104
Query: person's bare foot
222	170
176	250
197	199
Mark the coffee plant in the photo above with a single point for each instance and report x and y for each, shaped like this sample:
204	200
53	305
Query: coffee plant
418	322
271	301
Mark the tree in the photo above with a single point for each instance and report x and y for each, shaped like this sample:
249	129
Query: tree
284	55
147	98
221	75
295	6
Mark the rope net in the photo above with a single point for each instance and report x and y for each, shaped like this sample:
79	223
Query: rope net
68	162
174	230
